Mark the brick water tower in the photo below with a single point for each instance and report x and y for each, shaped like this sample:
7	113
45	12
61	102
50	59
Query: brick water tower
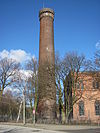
46	77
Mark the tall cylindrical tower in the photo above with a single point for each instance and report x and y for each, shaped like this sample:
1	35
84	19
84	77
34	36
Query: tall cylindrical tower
46	90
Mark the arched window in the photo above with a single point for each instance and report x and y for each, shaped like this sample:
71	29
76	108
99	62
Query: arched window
97	107
81	108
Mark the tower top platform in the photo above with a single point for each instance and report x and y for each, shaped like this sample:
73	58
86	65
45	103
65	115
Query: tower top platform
46	12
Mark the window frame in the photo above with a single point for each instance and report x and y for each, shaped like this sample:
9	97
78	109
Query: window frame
81	108
96	85
97	108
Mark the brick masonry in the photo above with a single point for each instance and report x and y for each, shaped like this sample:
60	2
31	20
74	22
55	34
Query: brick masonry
47	91
89	96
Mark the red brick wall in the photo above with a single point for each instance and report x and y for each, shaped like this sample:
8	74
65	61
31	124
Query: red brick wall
89	96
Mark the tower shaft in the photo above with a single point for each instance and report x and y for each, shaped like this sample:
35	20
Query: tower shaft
46	89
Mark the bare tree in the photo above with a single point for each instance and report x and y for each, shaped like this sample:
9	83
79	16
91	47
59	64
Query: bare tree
67	72
59	88
8	70
8	107
93	66
32	85
32	65
97	59
72	65
21	87
97	65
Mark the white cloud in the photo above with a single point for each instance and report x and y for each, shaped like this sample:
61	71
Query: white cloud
98	45
25	74
18	55
4	54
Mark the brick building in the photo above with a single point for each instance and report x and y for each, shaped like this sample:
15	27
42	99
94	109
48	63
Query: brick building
87	108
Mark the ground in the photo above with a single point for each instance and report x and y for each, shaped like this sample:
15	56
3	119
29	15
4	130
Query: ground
6	128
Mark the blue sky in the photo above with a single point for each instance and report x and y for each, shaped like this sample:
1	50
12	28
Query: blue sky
76	25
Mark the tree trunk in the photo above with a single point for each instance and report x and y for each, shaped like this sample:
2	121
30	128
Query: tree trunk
20	107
